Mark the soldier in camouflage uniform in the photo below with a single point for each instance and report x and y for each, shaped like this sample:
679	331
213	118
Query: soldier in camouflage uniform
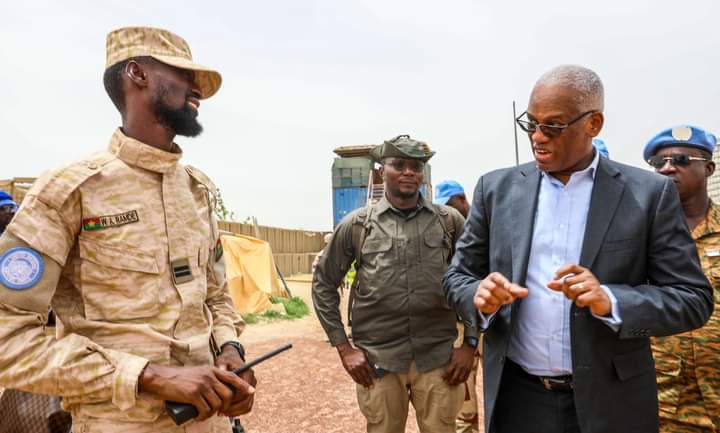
123	246
688	372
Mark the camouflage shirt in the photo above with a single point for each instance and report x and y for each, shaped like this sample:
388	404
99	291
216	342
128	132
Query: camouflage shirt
127	237
688	373
400	314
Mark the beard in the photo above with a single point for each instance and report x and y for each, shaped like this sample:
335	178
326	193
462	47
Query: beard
404	194
182	121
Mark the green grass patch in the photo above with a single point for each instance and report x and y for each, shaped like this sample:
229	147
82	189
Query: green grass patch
273	315
251	318
295	308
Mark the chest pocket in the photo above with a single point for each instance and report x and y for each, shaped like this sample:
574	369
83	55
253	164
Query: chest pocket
379	260
118	283
437	251
376	251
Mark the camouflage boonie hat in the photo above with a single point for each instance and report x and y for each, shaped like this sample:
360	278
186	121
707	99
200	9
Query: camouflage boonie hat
402	146
164	46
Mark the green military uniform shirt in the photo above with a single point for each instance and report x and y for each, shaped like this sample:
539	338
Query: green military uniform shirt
400	314
688	371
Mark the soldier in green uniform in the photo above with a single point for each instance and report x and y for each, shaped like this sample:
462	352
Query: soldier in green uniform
688	373
402	328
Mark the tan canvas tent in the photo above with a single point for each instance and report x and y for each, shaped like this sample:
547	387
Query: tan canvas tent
251	273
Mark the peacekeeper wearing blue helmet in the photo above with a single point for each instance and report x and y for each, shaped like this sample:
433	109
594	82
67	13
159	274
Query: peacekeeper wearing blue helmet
687	370
8	207
451	193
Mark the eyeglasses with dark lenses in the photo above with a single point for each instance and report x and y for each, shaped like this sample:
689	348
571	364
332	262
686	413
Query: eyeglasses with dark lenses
550	131
401	164
676	159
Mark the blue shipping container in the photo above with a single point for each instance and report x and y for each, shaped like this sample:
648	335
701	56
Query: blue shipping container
346	200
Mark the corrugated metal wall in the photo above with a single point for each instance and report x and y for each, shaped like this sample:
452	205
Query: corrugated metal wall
293	250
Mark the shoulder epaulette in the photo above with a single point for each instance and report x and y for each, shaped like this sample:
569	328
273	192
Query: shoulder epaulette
441	209
55	190
360	216
202	179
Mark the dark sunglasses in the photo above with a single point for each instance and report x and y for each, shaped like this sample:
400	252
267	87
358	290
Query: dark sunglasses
550	131
676	159
401	164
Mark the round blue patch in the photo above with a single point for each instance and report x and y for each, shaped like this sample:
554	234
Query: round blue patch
21	268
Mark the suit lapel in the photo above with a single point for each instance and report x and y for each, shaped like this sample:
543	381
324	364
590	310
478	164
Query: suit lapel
606	195
524	201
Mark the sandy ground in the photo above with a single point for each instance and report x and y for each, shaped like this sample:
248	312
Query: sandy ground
304	390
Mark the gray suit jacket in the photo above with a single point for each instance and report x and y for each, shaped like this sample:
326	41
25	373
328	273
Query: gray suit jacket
636	242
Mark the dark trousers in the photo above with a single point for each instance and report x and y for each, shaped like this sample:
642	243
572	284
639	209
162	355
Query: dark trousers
524	406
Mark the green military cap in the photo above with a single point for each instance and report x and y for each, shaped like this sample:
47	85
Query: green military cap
402	146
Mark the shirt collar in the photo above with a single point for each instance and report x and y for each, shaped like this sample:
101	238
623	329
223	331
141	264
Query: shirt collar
590	170
143	155
384	204
710	225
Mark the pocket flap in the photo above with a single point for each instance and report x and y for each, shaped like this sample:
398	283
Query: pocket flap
633	364
377	245
435	239
111	255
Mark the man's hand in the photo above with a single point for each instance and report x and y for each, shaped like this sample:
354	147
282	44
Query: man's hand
229	360
356	364
495	291
460	366
206	388
581	286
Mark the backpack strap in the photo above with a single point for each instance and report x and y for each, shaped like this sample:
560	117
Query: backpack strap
360	229
448	226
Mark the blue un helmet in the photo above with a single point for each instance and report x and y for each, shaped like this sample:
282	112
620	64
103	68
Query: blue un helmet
7	200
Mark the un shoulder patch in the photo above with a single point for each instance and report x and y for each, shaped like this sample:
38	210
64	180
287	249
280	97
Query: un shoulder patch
21	268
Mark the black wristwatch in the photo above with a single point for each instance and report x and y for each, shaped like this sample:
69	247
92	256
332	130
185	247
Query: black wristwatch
236	345
471	341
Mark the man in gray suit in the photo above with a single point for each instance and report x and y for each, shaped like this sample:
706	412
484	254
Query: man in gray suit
569	264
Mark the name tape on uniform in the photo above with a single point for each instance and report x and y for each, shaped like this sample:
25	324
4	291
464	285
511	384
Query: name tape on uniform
103	222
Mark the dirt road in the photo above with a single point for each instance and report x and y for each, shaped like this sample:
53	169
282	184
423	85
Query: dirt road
304	390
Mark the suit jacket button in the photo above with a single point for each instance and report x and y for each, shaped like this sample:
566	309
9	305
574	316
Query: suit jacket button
502	360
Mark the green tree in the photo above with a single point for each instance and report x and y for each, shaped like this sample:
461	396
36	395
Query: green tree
221	210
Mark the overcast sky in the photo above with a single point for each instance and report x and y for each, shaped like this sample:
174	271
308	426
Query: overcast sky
301	77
